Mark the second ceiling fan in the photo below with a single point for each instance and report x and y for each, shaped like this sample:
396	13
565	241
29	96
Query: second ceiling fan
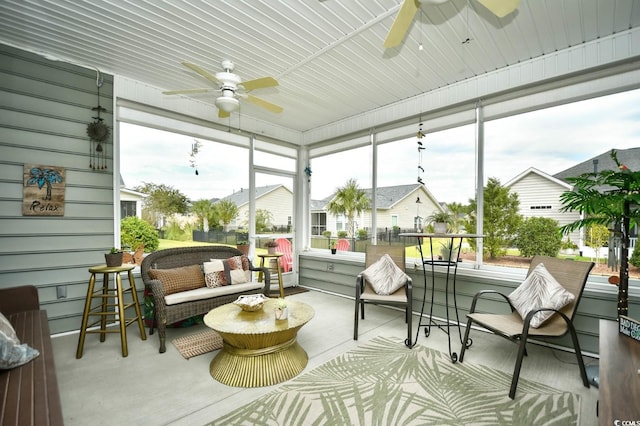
408	10
231	89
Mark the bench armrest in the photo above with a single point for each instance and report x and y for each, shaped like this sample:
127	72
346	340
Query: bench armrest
19	299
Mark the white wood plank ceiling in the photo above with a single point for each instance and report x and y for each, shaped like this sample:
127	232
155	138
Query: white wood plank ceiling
327	56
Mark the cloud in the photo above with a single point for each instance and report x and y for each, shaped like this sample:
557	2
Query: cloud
550	140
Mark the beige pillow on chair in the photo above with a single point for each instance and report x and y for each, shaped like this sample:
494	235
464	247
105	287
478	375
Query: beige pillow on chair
384	276
539	290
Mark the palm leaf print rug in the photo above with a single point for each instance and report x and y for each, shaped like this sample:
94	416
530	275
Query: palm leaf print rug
384	383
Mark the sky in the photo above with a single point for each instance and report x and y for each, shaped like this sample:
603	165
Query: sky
550	140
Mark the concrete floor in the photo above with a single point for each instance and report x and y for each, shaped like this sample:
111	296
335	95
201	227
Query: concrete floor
149	388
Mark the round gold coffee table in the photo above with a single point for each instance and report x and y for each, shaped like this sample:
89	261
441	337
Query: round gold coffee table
258	350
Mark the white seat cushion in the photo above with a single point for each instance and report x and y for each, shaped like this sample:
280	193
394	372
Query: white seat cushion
206	292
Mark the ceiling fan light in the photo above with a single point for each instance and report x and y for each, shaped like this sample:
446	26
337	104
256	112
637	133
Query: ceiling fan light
227	104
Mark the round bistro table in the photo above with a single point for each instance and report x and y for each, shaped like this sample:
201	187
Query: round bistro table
258	350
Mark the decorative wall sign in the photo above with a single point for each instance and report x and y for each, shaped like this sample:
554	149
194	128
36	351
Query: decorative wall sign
629	327
43	192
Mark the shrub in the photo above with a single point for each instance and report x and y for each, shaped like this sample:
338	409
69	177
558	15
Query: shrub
326	234
539	236
135	231
635	257
342	234
173	231
363	234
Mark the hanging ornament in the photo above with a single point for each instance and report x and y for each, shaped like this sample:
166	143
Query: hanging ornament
421	148
98	133
195	148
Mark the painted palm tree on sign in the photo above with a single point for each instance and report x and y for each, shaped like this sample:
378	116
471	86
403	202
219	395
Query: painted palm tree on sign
42	177
350	200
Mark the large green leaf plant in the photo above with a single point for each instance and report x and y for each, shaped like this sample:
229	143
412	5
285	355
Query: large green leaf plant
610	198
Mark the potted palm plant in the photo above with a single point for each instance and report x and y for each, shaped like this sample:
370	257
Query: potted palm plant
440	221
610	198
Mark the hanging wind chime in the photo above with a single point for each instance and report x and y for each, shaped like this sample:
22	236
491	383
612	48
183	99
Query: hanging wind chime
98	133
420	149
195	148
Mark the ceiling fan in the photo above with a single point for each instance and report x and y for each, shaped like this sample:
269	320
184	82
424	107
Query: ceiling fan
407	12
231	89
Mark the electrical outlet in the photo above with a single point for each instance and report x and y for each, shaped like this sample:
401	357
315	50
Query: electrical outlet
62	291
329	266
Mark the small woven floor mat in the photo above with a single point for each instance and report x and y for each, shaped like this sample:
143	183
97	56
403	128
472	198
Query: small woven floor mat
198	343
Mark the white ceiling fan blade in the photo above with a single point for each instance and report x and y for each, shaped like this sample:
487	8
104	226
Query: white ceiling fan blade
402	22
500	8
264	104
206	74
259	83
185	91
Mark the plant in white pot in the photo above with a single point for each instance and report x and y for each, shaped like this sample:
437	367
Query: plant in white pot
271	246
281	310
448	251
440	221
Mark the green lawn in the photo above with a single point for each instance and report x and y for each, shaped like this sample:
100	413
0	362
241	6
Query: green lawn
165	244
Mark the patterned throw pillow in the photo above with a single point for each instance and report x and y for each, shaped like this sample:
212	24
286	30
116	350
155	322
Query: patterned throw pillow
216	273
234	270
12	353
179	279
539	290
384	276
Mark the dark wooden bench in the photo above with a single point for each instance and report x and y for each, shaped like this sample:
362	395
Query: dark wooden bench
29	394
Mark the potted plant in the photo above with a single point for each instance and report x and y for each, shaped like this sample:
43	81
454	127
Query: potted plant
281	310
440	221
271	246
243	246
114	257
447	250
334	247
610	198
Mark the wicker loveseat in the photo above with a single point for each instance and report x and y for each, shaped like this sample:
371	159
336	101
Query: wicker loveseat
172	305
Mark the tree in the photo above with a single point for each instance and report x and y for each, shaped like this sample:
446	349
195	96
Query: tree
611	197
501	218
163	200
350	200
204	210
539	236
264	220
597	236
458	213
226	211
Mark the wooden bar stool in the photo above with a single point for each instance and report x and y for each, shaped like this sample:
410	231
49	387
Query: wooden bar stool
106	308
276	257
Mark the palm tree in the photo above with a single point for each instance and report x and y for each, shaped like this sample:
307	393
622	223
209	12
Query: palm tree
458	213
226	211
350	200
610	198
43	177
204	210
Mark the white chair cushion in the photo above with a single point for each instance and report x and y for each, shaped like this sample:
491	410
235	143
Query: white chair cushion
539	290
207	293
384	276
